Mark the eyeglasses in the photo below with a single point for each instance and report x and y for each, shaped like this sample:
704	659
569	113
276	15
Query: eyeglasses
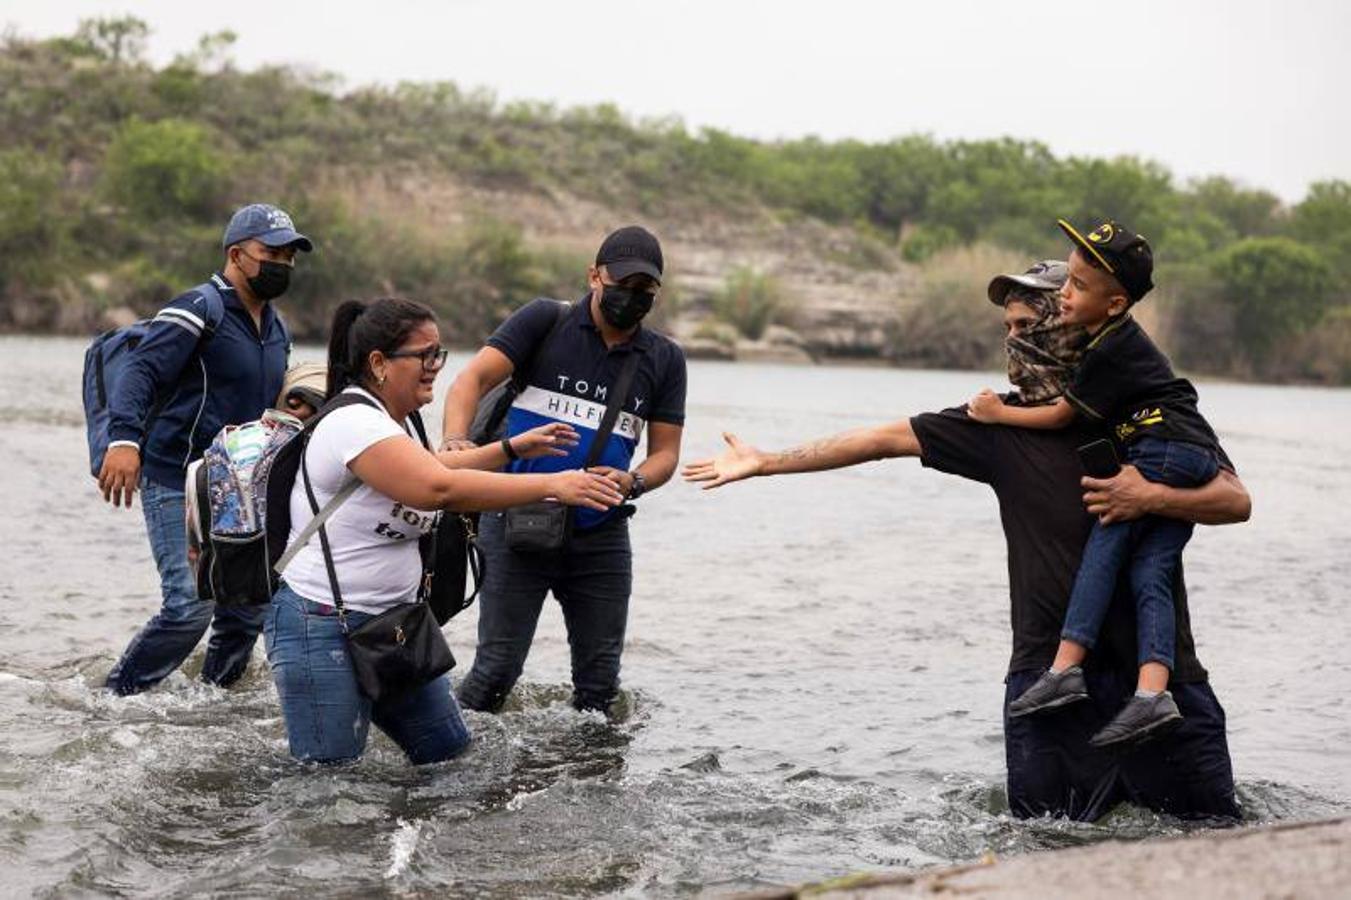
433	358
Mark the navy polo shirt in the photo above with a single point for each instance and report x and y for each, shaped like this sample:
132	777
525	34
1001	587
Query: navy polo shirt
572	380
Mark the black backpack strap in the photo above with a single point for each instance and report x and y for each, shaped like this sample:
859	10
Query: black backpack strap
520	379
323	543
338	402
420	428
612	409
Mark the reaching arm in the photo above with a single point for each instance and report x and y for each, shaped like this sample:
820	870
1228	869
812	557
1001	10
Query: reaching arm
848	448
488	368
400	469
989	408
552	439
1221	501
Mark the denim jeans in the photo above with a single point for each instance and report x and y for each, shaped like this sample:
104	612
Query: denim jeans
1053	771
169	637
1148	550
591	578
327	716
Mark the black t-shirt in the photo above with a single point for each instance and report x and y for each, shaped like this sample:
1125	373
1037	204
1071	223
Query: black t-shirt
1035	476
1125	382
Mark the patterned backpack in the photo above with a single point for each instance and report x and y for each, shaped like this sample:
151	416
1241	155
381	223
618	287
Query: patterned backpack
228	493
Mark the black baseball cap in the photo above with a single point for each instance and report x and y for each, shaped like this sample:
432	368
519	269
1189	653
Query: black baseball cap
629	251
1122	252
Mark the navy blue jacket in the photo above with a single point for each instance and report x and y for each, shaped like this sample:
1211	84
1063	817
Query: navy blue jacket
236	376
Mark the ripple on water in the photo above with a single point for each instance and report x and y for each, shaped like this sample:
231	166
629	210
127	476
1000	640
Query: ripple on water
797	707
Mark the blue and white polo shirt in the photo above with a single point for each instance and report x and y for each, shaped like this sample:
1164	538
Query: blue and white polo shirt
572	381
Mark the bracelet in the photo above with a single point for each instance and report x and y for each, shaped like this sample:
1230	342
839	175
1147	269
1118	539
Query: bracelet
509	450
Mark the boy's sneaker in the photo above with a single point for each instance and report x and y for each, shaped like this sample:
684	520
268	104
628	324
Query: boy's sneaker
1140	718
1051	690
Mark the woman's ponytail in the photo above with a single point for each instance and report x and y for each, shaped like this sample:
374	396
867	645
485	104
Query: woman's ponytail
360	328
341	370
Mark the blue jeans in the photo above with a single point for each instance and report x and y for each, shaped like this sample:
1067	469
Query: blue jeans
1149	550
591	577
1053	771
327	716
169	637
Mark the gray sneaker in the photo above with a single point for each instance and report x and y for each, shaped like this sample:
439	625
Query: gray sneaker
1051	691
1140	718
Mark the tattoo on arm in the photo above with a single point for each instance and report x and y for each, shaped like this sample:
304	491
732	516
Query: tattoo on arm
826	453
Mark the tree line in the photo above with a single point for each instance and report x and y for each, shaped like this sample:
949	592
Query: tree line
117	175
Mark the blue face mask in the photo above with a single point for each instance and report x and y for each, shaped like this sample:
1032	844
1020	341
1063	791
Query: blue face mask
623	308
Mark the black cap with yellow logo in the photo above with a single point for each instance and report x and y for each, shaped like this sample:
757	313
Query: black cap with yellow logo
1122	252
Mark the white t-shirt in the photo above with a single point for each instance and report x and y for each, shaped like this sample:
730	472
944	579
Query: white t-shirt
374	538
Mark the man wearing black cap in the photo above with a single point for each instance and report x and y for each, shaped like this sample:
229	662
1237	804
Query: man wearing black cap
214	356
1123	383
572	359
1047	512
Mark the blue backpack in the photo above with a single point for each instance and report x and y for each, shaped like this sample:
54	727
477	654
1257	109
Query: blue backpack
106	359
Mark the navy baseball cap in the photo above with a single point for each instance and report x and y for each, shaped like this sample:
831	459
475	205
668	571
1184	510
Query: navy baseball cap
267	224
629	251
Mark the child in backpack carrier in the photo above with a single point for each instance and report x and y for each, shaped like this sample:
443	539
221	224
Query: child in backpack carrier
302	393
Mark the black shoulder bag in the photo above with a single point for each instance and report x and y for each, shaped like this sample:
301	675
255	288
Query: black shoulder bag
546	526
397	651
450	555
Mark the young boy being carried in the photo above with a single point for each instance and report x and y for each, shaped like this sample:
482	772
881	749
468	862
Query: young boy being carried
1123	381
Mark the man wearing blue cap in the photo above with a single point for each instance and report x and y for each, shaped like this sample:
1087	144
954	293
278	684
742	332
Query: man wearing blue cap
215	356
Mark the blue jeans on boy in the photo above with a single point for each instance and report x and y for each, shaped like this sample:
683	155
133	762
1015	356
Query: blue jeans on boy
1148	549
327	716
169	637
592	577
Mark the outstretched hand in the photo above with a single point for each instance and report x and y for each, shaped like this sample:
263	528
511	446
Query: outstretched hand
586	489
554	439
740	460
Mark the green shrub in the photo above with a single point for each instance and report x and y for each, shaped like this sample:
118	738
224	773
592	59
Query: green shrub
165	169
751	301
1277	287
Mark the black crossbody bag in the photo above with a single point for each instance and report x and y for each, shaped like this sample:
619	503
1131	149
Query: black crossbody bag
397	651
450	555
547	525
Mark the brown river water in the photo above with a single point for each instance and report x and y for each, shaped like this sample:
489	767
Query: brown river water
812	680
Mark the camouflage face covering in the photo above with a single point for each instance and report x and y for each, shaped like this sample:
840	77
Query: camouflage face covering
1044	354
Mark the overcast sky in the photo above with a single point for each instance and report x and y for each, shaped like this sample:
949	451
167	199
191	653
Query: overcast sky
1252	89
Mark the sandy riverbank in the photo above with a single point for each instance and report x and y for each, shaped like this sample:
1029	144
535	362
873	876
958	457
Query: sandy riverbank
1297	860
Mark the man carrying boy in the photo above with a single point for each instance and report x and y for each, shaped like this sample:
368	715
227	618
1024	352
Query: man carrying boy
1035	476
181	385
1125	384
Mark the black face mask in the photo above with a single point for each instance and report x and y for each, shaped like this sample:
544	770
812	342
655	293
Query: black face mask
272	280
623	308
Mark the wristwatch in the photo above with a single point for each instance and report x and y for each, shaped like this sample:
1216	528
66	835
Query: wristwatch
638	487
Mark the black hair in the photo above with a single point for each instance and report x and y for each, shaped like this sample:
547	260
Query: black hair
362	327
1096	263
1091	259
